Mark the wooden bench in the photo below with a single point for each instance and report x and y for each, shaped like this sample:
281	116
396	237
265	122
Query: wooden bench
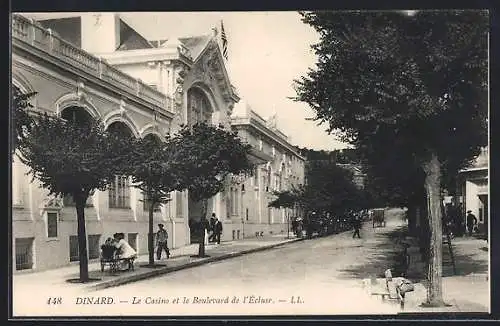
389	292
110	257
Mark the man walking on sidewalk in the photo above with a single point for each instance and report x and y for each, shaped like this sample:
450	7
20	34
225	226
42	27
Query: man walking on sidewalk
471	222
357	226
161	242
217	230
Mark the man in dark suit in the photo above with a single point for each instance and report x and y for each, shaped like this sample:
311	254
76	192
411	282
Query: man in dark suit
471	222
217	230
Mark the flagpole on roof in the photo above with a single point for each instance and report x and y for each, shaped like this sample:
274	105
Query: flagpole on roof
223	37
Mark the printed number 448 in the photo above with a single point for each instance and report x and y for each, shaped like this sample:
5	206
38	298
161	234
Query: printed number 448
54	300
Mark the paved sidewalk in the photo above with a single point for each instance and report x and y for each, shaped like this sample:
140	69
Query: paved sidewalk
466	289
180	259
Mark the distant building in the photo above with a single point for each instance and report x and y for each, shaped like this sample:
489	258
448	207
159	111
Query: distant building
99	66
281	168
473	190
358	176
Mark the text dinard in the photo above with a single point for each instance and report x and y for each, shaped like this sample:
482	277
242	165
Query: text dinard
250	299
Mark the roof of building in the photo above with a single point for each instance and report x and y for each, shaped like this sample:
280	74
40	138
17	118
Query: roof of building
196	44
130	39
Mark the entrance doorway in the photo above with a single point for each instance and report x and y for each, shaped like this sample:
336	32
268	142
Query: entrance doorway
194	214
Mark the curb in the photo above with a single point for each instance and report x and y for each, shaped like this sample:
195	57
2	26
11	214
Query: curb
167	270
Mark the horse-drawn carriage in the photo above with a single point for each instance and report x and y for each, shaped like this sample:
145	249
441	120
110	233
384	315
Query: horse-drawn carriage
378	217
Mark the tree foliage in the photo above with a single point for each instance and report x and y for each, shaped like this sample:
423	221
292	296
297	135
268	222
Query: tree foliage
21	118
156	169
209	155
421	80
70	158
415	87
73	158
285	198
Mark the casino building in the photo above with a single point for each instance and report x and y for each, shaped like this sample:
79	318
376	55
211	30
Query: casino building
96	66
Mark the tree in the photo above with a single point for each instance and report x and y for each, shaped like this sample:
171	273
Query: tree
73	158
420	80
286	199
209	155
21	118
157	171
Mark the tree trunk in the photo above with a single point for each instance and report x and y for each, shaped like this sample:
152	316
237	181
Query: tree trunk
151	246
203	221
432	170
80	200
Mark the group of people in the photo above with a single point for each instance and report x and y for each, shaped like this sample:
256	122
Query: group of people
214	226
124	250
121	247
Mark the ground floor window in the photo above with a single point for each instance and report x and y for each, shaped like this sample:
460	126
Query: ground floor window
92	245
24	253
132	240
73	248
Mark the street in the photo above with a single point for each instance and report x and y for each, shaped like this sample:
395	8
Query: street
317	276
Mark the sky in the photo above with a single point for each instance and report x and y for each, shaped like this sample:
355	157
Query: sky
266	50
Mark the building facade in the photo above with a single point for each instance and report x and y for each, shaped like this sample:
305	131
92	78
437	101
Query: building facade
98	66
281	168
69	80
474	190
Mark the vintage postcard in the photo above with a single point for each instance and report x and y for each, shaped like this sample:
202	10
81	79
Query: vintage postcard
250	163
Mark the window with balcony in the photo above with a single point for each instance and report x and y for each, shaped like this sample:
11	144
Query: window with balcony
178	204
199	108
52	221
234	200
119	193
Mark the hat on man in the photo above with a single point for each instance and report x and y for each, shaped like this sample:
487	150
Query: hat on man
160	225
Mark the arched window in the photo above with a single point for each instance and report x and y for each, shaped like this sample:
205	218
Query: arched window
119	189
198	107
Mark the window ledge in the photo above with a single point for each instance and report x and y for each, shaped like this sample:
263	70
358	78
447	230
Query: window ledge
17	206
51	239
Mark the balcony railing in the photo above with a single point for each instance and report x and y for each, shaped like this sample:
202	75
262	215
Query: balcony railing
43	39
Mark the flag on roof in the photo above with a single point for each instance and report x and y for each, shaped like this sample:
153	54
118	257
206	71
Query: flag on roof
223	39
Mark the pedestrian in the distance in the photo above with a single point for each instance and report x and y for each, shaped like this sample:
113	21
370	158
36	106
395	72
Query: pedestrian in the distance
471	222
357	227
161	242
217	230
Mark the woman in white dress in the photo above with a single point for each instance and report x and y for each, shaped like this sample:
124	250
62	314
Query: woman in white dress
125	250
